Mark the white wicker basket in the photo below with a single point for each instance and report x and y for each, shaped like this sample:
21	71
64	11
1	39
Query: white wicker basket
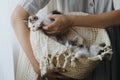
43	45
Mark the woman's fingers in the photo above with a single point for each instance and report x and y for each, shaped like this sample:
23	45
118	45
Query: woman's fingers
60	70
50	30
57	75
59	25
53	17
54	75
51	33
49	27
45	28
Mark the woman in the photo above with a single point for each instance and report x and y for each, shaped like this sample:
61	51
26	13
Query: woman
105	17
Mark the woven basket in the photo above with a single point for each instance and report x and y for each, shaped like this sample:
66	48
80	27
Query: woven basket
43	45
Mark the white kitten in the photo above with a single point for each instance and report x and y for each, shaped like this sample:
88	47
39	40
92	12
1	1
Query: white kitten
35	22
81	50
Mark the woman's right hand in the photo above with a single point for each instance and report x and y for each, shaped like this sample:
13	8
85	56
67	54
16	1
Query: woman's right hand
56	73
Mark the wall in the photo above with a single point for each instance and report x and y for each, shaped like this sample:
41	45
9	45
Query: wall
6	56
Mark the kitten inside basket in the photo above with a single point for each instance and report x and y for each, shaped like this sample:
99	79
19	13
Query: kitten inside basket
79	50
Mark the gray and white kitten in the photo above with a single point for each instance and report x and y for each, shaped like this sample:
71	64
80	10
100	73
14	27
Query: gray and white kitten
81	50
35	22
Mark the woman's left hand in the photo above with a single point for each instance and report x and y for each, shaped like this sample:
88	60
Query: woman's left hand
56	73
60	24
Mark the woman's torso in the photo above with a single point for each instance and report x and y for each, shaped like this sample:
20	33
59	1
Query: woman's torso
88	6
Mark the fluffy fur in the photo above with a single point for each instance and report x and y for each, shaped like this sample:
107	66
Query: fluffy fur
81	50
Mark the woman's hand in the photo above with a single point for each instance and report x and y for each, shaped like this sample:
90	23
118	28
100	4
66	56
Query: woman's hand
55	73
60	24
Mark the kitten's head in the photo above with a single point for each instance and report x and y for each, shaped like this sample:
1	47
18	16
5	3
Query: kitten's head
96	49
32	18
34	23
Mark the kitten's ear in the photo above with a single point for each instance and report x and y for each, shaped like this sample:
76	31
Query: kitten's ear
74	41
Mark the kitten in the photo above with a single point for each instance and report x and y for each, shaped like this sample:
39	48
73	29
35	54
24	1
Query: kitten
81	50
35	22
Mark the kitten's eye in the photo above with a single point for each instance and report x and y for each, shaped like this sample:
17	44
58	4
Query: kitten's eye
35	18
33	26
30	20
72	43
88	47
81	45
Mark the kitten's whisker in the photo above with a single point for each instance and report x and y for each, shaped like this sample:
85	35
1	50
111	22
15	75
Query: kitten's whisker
25	20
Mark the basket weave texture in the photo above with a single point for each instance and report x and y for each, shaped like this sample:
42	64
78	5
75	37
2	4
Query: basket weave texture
43	45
